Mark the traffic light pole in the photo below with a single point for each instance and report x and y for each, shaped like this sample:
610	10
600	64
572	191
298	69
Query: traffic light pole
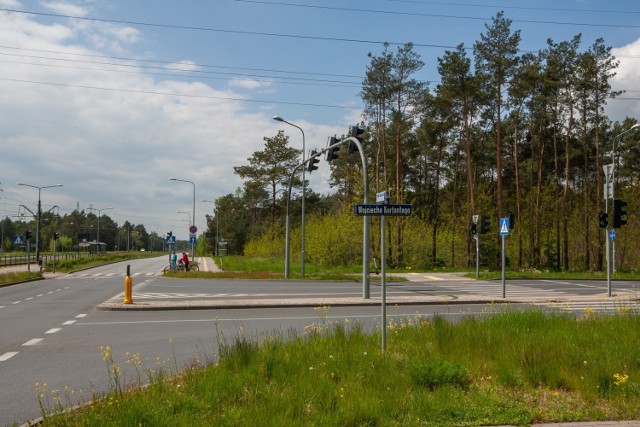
365	238
477	237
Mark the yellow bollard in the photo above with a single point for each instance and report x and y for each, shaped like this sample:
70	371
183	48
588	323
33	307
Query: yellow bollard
128	288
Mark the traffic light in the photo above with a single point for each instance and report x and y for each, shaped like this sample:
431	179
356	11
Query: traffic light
619	213
474	229
603	219
356	132
484	224
27	234
170	233
313	159
56	235
333	147
512	221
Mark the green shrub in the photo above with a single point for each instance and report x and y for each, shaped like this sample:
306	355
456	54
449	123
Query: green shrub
434	373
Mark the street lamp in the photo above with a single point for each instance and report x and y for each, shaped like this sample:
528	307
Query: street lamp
99	212
215	209
613	197
193	252
39	214
280	119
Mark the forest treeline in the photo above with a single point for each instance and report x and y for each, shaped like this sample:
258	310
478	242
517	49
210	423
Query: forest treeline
502	132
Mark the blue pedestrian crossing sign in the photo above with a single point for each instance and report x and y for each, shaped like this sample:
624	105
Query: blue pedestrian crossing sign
504	226
171	240
19	240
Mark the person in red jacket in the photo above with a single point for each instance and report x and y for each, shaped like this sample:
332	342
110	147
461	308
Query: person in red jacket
185	260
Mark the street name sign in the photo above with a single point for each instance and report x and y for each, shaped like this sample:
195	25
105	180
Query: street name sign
383	210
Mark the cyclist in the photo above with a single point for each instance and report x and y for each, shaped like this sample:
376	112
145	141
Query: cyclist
185	260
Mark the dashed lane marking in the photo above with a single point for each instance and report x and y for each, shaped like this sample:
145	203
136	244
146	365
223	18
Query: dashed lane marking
8	355
32	342
53	330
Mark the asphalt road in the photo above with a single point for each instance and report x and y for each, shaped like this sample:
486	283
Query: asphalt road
52	331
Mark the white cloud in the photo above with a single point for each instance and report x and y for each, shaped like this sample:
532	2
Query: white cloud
114	139
248	83
627	77
64	8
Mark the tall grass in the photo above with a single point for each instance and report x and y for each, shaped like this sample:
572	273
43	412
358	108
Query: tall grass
507	368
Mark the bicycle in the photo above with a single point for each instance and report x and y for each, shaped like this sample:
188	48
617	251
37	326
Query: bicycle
193	266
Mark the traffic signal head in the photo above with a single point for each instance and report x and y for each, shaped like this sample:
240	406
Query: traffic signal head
56	235
603	219
333	148
619	213
474	229
484	224
356	132
352	147
170	233
27	234
512	221
313	159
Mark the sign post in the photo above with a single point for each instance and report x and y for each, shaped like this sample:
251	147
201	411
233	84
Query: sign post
383	209
504	232
477	237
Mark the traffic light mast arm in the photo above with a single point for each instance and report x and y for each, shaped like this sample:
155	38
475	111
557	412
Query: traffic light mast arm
23	206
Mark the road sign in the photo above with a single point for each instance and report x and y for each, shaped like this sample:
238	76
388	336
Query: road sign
382	197
192	239
171	240
504	226
193	229
612	235
475	219
383	210
19	240
608	190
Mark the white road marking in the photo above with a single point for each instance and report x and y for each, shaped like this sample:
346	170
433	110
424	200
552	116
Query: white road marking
8	355
29	299
16	302
69	322
33	341
53	331
80	316
39	295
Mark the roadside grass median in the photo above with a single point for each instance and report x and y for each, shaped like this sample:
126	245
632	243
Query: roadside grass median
71	264
502	368
18	276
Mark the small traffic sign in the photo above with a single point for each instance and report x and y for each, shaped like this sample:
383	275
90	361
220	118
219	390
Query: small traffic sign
192	239
504	226
171	240
19	240
382	197
193	229
475	219
612	235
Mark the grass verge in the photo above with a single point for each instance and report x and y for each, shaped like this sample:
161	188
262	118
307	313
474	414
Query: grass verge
17	277
525	367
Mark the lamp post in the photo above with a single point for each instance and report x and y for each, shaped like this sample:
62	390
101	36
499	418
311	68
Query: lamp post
193	252
39	213
613	191
215	209
99	212
280	119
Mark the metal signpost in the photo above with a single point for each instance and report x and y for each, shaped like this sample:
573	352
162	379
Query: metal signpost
382	210
608	193
504	232
477	237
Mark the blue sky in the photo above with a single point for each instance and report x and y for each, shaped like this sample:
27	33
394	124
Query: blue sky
111	98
